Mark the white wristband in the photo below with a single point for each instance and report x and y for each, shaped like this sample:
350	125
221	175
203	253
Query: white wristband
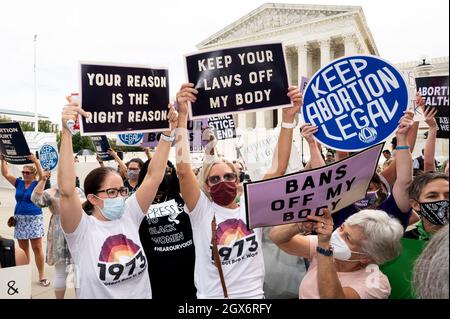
289	125
167	138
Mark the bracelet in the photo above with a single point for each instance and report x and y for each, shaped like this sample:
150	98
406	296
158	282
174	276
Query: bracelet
289	125
405	147
167	138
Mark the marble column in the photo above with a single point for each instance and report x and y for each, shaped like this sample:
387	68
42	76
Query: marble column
350	45
325	52
302	52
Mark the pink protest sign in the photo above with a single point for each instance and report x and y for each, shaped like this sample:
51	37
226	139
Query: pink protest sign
291	198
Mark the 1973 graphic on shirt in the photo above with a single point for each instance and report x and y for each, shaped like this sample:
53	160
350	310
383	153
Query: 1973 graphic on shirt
235	241
120	259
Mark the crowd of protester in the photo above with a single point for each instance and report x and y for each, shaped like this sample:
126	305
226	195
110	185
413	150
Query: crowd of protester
159	230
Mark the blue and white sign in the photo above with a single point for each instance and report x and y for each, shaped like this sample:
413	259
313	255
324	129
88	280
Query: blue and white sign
356	102
132	139
48	156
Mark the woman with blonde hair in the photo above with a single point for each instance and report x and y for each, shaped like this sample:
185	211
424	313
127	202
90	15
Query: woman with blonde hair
29	226
229	260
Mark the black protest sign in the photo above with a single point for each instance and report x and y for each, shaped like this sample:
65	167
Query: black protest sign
222	126
239	79
101	145
13	145
123	99
435	90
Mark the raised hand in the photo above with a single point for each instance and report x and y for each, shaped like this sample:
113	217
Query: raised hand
186	94
173	117
324	226
289	113
307	131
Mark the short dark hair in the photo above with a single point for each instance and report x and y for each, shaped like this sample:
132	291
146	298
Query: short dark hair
136	160
421	180
387	152
93	182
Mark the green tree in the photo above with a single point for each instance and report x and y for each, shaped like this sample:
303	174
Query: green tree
81	142
26	127
45	126
118	148
4	119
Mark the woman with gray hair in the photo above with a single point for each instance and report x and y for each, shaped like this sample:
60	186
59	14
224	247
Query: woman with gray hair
431	270
344	262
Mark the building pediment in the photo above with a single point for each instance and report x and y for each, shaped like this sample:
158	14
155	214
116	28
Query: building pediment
271	17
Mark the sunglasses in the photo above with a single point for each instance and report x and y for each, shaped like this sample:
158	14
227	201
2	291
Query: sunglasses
228	177
26	173
114	192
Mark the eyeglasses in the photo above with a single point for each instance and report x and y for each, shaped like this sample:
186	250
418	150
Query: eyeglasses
227	177
26	173
114	192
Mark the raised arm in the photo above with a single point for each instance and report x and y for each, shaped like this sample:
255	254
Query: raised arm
71	210
282	151
429	164
157	168
288	239
5	172
190	189
316	160
404	163
120	163
37	197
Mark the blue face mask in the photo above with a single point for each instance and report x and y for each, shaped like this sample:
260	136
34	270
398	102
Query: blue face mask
113	208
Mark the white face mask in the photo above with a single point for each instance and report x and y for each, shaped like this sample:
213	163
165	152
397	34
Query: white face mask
341	251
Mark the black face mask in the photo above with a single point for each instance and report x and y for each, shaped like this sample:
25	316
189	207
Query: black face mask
435	212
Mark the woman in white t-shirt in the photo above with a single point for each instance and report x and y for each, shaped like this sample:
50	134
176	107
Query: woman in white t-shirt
212	208
104	243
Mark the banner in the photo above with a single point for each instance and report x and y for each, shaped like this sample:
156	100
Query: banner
222	126
132	139
198	136
435	90
13	145
258	156
48	157
239	79
123	98
101	145
15	282
290	199
356	102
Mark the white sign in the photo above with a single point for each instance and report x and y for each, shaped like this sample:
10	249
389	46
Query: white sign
15	282
259	157
169	208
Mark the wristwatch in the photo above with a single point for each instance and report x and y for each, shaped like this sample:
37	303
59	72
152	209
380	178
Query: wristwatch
325	252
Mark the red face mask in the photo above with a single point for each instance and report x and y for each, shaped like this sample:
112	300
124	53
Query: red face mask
223	193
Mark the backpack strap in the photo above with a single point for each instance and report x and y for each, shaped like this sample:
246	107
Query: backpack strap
7	253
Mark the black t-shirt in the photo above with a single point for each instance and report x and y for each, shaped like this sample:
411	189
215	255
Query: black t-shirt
166	236
131	189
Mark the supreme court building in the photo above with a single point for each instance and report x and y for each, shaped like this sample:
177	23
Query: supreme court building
313	36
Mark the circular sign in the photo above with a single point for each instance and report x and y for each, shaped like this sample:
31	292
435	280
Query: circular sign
48	156
356	102
131	139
